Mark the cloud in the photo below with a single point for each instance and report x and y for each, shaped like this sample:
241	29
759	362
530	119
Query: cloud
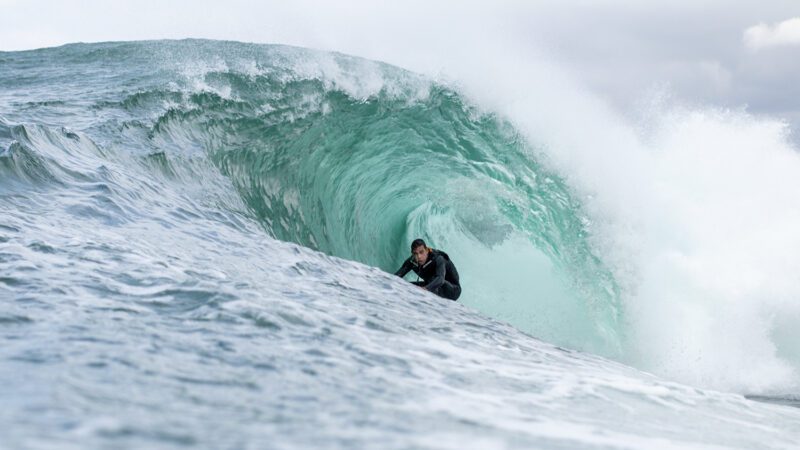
783	33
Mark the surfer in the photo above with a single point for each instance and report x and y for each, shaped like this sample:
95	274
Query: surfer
435	268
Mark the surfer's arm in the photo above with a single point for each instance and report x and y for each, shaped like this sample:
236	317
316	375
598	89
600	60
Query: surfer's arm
438	280
404	269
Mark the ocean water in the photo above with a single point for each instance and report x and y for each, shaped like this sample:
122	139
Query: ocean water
196	241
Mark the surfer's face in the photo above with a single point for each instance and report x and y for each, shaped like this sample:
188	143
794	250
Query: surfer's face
420	254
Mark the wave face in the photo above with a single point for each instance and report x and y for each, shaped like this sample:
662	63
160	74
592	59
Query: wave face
180	221
360	171
356	159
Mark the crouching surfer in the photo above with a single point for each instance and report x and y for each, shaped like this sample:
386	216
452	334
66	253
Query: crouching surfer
435	268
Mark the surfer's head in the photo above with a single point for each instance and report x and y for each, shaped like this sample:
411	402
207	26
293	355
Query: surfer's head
420	251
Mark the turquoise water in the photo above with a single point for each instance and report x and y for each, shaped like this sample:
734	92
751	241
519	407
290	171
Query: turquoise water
194	240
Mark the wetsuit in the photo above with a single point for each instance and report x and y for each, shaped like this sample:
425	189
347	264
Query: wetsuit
439	273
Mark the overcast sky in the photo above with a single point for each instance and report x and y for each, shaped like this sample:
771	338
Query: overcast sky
709	52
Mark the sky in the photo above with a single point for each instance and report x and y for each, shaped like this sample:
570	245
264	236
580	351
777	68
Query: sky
709	52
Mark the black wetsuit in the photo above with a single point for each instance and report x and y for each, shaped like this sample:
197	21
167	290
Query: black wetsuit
439	273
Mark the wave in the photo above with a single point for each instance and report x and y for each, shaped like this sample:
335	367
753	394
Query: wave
355	158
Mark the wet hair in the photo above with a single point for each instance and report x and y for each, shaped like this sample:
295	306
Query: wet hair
418	243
